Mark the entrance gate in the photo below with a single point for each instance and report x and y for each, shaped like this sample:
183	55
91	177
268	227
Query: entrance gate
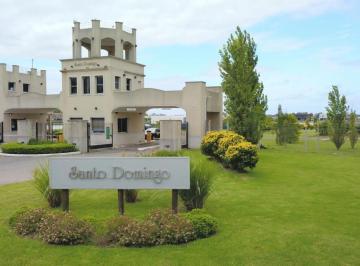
185	135
1	132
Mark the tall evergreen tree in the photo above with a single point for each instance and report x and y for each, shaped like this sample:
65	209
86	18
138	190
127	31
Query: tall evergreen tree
336	113
245	101
353	132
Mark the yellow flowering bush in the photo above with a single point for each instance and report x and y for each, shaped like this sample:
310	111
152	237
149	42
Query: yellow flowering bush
230	148
241	155
229	139
209	143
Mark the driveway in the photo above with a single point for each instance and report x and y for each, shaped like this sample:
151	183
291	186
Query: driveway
18	169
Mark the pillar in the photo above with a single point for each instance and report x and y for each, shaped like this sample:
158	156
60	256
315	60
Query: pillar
76	41
194	103
75	131
170	135
118	43
95	39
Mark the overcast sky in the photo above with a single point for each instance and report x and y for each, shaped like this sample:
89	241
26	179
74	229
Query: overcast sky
304	46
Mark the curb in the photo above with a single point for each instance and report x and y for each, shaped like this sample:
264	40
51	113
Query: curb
39	155
148	148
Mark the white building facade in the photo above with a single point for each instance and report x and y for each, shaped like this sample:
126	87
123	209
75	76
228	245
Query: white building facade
106	91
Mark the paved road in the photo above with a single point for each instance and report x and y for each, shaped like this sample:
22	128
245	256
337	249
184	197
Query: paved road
18	169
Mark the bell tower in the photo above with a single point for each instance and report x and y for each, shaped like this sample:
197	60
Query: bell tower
115	42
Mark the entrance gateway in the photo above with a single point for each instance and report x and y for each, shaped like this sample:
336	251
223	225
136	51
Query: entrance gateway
120	173
105	90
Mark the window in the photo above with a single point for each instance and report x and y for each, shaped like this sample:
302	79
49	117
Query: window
122	124
128	84
26	87
75	118
11	86
73	85
14	125
86	85
99	84
98	125
117	82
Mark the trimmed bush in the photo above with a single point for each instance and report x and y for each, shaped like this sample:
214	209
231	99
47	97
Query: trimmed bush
18	148
160	227
200	185
171	228
124	231
241	155
204	224
37	142
131	195
27	222
64	229
41	183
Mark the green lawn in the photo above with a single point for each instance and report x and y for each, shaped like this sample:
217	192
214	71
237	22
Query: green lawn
300	206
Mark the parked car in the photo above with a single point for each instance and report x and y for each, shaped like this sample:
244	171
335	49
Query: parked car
155	132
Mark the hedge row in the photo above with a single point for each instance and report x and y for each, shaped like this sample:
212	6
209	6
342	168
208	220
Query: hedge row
159	227
19	148
231	149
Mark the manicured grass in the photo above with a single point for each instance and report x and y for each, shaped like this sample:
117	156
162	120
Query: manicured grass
299	206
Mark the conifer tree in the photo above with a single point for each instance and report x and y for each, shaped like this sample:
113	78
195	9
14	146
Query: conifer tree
353	133
336	114
245	101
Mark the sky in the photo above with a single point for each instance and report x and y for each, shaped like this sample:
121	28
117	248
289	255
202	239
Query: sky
304	46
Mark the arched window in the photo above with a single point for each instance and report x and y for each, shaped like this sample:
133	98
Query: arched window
85	47
107	47
127	49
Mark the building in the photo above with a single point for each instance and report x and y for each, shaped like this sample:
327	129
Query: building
105	92
156	118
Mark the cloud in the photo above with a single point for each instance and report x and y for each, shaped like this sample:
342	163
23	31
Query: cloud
43	28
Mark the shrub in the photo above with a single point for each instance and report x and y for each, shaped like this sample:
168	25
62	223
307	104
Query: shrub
231	149
37	142
41	182
64	229
229	139
27	222
287	129
160	227
131	195
125	231
204	224
323	128
171	228
209	143
241	155
353	132
200	185
18	148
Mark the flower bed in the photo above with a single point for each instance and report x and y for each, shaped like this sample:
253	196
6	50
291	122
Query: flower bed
158	228
46	148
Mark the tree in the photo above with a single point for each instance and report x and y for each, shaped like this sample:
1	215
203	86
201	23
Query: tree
286	128
336	113
245	102
353	133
